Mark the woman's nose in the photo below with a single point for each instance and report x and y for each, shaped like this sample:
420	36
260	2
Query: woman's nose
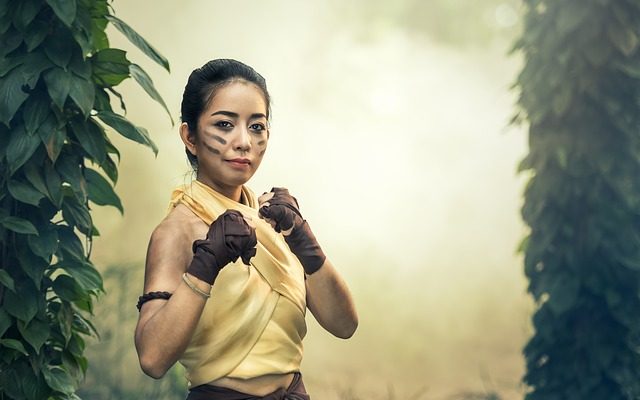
243	140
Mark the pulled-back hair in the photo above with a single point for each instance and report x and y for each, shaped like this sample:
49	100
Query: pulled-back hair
203	84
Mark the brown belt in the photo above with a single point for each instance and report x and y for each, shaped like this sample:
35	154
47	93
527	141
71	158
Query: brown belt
295	391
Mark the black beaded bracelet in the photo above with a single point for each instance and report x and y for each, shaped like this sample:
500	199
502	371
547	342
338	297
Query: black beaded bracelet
152	296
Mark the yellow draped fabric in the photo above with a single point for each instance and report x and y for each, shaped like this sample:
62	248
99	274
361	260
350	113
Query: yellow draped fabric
253	324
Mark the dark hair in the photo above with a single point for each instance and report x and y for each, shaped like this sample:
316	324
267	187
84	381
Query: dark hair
203	84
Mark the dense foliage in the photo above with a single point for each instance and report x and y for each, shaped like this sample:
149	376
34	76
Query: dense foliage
57	79
580	92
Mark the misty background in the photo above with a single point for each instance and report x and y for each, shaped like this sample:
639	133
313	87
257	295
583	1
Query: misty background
391	127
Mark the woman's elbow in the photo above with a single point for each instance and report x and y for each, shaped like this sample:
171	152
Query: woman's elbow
347	330
152	366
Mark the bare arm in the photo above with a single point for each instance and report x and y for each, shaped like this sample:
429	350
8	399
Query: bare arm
328	297
330	301
165	328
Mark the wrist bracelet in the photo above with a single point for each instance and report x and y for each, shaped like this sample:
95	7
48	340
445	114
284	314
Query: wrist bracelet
193	287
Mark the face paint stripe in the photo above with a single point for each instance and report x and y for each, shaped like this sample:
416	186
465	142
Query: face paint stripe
262	152
216	138
262	142
211	148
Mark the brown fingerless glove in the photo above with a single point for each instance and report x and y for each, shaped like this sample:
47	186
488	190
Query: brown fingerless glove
228	238
283	210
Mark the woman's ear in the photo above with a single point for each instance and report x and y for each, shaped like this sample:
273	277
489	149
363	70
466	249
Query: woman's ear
188	139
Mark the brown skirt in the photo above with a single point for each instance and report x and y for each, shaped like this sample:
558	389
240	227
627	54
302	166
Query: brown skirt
295	391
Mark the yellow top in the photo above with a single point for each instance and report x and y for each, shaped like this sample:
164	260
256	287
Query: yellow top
253	324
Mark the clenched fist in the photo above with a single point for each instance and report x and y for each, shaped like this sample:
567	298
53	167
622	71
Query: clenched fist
281	210
228	238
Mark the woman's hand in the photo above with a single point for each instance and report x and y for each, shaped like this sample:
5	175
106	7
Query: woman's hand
281	210
229	237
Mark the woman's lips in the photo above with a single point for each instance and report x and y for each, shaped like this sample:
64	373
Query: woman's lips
239	163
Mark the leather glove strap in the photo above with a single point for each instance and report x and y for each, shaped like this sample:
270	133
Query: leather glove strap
204	265
304	245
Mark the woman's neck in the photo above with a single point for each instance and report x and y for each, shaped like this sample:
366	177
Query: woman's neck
232	192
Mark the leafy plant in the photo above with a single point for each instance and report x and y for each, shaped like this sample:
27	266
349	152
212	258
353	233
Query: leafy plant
57	79
580	88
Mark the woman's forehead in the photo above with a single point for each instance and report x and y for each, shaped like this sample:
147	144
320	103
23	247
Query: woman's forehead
238	96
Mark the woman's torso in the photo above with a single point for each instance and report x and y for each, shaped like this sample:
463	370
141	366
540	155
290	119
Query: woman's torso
259	385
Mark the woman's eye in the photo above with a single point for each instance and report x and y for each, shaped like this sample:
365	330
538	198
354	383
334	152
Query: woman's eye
257	127
223	124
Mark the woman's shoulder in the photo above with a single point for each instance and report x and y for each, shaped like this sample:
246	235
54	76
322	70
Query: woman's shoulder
179	227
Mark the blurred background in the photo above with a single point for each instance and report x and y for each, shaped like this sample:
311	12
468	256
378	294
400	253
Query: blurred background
391	127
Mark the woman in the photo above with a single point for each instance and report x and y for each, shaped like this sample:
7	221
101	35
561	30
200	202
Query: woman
229	277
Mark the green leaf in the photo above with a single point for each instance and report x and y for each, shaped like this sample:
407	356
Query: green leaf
35	63
69	242
85	326
70	170
139	41
67	289
79	66
85	275
111	169
54	143
147	84
7	281
47	127
11	95
84	41
127	129
100	190
33	266
24	192
18	225
36	111
24	13
35	35
102	102
91	137
82	91
65	319
58	379
33	384
110	67
35	333
59	47
21	147
64	9
34	176
5	24
54	184
76	344
23	304
8	64
14	344
9	38
100	38
46	243
5	322
77	215
58	85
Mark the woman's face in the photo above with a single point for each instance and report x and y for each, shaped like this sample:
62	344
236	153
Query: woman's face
231	138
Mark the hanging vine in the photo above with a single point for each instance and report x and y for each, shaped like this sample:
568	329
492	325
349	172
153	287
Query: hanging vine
580	92
57	78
